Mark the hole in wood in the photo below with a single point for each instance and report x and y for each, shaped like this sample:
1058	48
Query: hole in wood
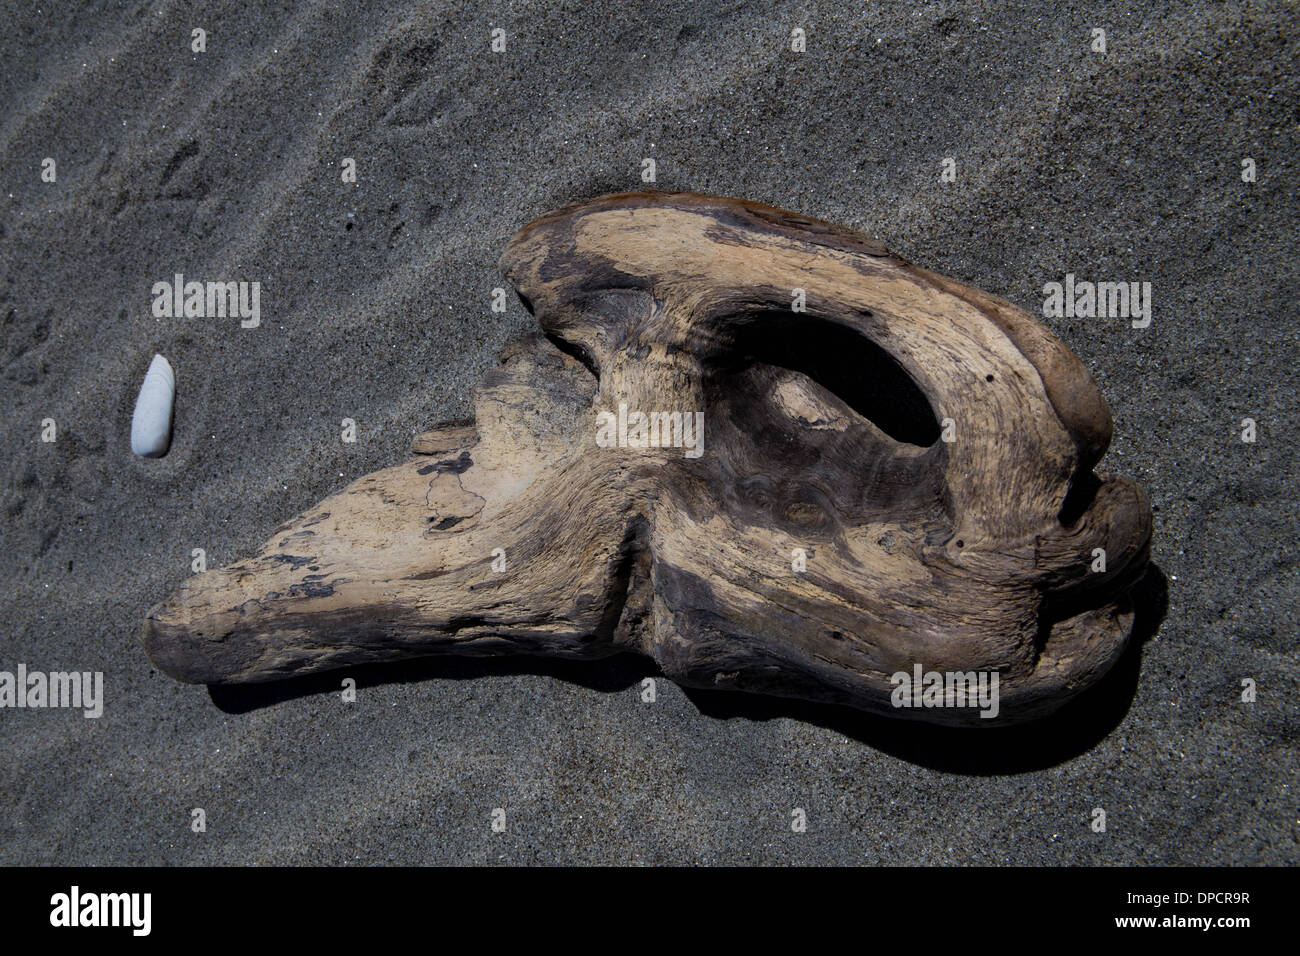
855	369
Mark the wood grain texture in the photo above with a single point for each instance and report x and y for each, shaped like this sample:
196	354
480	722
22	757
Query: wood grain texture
822	432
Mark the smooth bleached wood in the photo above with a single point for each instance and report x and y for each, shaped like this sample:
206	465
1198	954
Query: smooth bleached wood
926	447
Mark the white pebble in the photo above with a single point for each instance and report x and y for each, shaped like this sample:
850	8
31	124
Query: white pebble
151	425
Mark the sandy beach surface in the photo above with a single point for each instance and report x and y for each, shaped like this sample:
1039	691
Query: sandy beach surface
375	305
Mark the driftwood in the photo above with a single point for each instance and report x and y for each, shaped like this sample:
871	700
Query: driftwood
900	475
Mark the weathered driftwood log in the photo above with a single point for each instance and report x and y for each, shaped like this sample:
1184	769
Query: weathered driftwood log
900	475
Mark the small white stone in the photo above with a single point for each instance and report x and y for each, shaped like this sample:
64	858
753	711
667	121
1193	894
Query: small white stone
151	425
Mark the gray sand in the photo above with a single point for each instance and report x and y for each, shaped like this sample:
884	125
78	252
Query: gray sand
375	306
